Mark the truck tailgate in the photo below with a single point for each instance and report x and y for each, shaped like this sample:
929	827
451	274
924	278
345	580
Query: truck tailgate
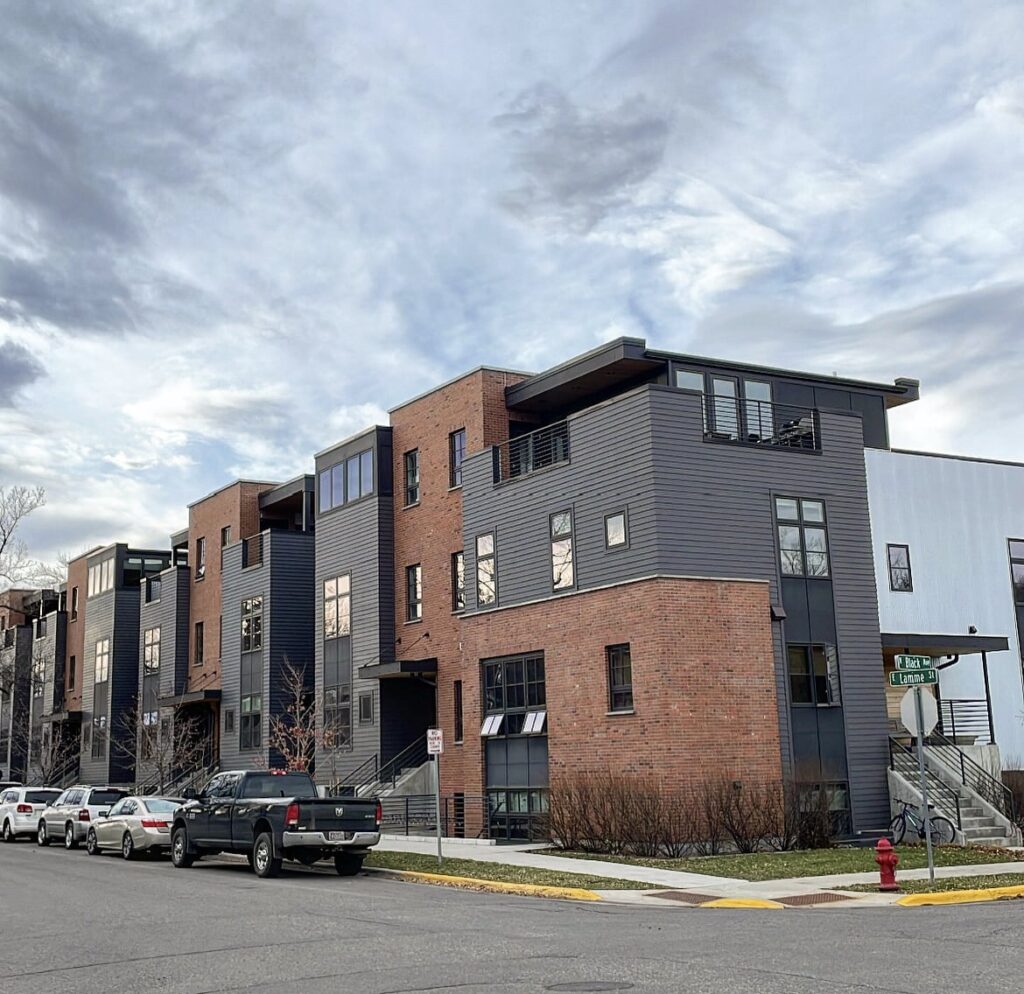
340	814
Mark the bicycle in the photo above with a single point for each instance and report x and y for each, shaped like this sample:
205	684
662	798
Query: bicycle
942	829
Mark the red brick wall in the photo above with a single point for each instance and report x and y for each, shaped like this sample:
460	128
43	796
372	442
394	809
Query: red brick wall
703	682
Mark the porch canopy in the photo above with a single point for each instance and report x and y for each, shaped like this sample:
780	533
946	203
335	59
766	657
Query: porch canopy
400	668
943	645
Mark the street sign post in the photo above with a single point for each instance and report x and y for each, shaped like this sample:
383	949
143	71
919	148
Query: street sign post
905	662
920	714
913	678
435	746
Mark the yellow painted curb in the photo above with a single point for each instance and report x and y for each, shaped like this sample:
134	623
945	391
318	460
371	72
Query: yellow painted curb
961	896
497	886
741	902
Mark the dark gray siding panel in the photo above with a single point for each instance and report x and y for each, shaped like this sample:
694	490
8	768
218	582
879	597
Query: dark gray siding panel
99	624
124	685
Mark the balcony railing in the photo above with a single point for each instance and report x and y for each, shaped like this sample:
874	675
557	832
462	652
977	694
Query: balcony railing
760	423
547	446
966	722
252	551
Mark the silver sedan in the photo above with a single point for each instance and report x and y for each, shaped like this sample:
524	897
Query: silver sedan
134	825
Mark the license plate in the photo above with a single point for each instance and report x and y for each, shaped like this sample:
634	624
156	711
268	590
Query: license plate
339	836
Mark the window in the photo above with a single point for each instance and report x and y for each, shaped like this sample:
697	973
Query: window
151	651
101	578
725	406
814	675
690	379
620	678
803	544
413	592
74	603
72	666
197	653
252	624
251	690
514	695
225	536
38	677
486	570
899	568
229	721
1017	570
757	409
337	694
102	669
457	692
99	737
458	582
562	575
366	709
456	454
412	477
200	558
346	481
337	607
615	534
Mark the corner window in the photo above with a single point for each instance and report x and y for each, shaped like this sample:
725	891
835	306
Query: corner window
615	533
458	582
337	607
562	572
101	578
413	592
151	651
803	542
620	677
456	453
197	645
102	668
412	477
900	578
486	570
814	675
345	481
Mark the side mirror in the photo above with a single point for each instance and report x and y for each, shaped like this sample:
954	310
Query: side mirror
189	794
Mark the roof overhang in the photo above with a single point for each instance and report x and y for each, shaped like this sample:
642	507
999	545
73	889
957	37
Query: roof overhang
399	668
301	484
933	644
192	697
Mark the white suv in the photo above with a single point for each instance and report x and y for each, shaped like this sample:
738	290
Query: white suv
20	808
71	814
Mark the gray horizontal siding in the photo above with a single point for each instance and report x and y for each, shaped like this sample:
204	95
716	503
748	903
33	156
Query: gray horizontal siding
99	624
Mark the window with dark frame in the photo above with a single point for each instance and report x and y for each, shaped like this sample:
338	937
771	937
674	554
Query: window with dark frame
514	695
458	581
337	607
620	677
151	651
1017	572
412	477
74	603
486	570
197	646
200	558
337	680
900	578
252	624
615	530
99	737
345	481
366	709
72	667
456	454
457	699
251	692
814	675
803	537
229	721
413	592
562	567
102	667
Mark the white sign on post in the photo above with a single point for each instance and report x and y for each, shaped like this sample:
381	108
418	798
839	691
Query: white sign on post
435	741
929	712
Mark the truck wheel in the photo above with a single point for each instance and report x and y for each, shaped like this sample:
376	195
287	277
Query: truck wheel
263	861
346	865
180	856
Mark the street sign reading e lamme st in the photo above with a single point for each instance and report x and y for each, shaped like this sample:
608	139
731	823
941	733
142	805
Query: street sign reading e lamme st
912	678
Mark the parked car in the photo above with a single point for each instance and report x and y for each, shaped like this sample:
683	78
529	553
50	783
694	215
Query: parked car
4	784
20	808
271	816
134	825
71	814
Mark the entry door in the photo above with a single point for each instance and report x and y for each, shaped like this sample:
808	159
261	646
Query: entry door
725	405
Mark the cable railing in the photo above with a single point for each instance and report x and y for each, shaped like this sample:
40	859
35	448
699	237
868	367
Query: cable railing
903	761
525	454
761	423
970	774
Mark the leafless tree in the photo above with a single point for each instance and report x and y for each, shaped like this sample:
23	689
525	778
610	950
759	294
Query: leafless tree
162	744
53	754
293	733
16	504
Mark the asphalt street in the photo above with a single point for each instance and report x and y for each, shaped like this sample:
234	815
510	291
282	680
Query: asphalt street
74	923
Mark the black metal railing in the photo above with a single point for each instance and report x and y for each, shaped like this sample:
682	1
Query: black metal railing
463	816
965	719
973	776
903	761
252	551
760	423
362	776
547	446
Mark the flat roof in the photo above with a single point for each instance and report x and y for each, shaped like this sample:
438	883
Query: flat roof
950	455
303	483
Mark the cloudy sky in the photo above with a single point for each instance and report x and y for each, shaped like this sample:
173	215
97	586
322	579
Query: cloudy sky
234	232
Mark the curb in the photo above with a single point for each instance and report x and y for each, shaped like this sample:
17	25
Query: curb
494	886
961	897
742	902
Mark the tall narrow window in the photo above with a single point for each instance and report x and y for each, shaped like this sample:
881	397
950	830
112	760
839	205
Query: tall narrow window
252	624
814	675
102	668
757	410
456	453
458	582
412	477
620	678
366	709
225	536
803	542
562	573
486	570
725	406
337	607
197	648
900	578
1017	570
457	699
413	592
200	558
74	603
151	651
72	674
251	690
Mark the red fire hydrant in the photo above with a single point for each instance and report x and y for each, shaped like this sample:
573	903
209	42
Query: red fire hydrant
886	857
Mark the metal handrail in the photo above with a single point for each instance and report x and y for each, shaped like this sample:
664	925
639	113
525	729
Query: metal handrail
351	783
414	754
972	775
958	716
903	761
525	454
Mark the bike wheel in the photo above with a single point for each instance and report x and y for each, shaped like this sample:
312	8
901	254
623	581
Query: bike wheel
943	833
898	829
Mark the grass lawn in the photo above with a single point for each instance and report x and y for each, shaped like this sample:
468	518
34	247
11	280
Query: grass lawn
810	863
947	883
384	860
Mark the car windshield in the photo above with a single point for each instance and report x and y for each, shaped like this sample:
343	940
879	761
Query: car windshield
105	796
40	796
161	805
278	785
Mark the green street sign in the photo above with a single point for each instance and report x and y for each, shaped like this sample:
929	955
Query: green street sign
912	678
914	662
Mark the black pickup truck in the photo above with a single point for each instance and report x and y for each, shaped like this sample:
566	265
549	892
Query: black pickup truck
270	816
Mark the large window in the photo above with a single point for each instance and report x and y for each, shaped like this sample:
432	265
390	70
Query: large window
413	592
620	678
151	651
197	644
514	696
900	578
346	481
411	462
803	541
250	731
562	574
814	675
200	558
102	668
486	570
337	703
456	453
337	607
252	624
458	582
101	578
